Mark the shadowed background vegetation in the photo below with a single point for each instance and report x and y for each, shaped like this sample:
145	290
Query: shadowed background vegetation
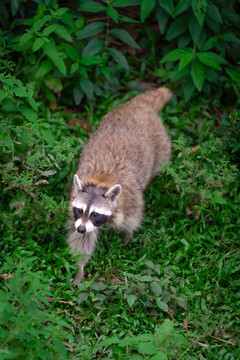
175	293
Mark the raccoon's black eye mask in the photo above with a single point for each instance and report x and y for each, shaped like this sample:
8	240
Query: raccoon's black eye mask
78	213
98	219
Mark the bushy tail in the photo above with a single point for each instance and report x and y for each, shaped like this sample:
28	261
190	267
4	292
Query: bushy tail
156	99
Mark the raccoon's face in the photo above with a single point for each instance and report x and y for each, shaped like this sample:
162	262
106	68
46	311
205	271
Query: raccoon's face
92	206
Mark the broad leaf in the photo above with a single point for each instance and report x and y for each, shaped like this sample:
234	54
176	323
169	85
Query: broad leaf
28	113
44	68
93	47
50	50
91	30
185	60
198	74
177	28
209	59
162	305
124	36
71	52
199	8
131	299
234	75
181	6
162	18
146	7
167	5
90	60
113	13
92	6
38	43
119	58
213	12
176	54
87	87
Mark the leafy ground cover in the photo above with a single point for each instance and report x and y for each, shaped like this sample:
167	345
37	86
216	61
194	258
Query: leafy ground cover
175	293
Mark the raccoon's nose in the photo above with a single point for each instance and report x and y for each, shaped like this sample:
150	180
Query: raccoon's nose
81	229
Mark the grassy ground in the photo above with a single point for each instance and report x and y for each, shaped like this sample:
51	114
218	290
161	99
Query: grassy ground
173	295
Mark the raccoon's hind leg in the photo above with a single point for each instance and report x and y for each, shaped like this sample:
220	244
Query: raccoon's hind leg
128	237
84	244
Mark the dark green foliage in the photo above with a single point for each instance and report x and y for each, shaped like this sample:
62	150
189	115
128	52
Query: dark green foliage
175	293
63	50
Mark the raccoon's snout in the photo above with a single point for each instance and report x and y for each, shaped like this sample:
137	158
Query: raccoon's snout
81	229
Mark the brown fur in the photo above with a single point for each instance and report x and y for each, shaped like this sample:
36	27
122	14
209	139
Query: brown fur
126	149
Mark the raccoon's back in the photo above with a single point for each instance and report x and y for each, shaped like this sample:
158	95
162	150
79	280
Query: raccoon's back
128	144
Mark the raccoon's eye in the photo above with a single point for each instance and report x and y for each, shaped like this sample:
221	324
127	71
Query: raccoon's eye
94	214
77	213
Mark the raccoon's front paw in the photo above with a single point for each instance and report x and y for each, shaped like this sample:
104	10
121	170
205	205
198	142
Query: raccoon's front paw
78	278
75	282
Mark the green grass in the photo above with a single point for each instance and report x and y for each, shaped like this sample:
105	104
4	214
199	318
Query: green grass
178	284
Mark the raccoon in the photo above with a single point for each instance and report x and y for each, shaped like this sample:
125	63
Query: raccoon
114	168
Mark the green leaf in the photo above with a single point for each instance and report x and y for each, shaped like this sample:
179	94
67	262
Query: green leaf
113	13
25	38
161	355
91	30
131	299
87	87
38	43
177	28
60	30
106	72
90	60
199	8
146	278
2	95
119	58
209	59
124	3
44	68
92	6
83	296
71	52
28	113
49	137
210	43
181	6
156	288
50	50
162	305
197	74
77	95
21	92
185	60
188	88
93	47
194	28
146	348
38	24
146	7
167	5
176	54
74	68
234	75
67	20
213	12
124	36
162	18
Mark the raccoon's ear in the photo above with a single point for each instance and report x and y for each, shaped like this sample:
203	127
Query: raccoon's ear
79	185
114	192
